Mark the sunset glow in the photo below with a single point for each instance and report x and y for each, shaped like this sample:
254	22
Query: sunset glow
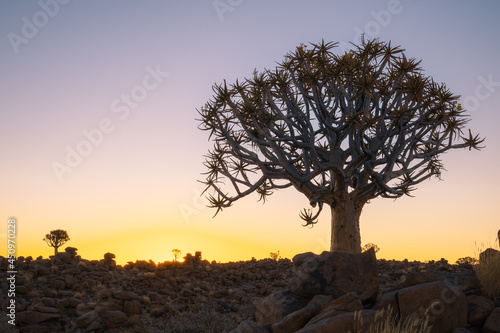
99	132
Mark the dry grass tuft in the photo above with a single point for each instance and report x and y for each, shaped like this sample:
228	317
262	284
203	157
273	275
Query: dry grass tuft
488	273
386	322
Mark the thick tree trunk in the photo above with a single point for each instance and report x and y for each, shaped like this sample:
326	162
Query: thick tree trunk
345	227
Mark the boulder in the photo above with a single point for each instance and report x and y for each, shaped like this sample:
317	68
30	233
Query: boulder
48	327
278	305
108	306
489	254
336	274
296	320
479	308
249	326
388	301
85	319
103	294
347	303
465	281
113	319
124	295
83	308
71	251
346	322
445	304
131	307
35	317
109	256
492	324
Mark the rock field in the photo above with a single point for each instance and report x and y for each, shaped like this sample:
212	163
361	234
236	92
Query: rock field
69	294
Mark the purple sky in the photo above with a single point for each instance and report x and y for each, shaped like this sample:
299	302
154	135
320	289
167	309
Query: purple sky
130	75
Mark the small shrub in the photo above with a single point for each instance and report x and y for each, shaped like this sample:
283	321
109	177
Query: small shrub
467	260
274	255
368	246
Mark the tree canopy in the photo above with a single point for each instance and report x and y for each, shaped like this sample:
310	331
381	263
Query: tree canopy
340	128
56	238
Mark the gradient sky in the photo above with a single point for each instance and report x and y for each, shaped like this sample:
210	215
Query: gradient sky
67	67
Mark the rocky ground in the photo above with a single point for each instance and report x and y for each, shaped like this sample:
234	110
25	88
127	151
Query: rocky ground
69	294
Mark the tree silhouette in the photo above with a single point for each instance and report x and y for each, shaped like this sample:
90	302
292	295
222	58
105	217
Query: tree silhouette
56	238
341	129
177	254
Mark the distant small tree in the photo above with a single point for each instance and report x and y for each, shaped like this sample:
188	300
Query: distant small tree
368	246
467	260
274	255
177	254
56	238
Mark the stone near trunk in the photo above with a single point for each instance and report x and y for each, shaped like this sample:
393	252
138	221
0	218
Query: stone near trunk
321	300
277	305
479	308
296	320
336	274
347	303
445	304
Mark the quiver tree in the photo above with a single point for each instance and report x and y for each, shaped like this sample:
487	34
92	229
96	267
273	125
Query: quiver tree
177	254
341	129
56	238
